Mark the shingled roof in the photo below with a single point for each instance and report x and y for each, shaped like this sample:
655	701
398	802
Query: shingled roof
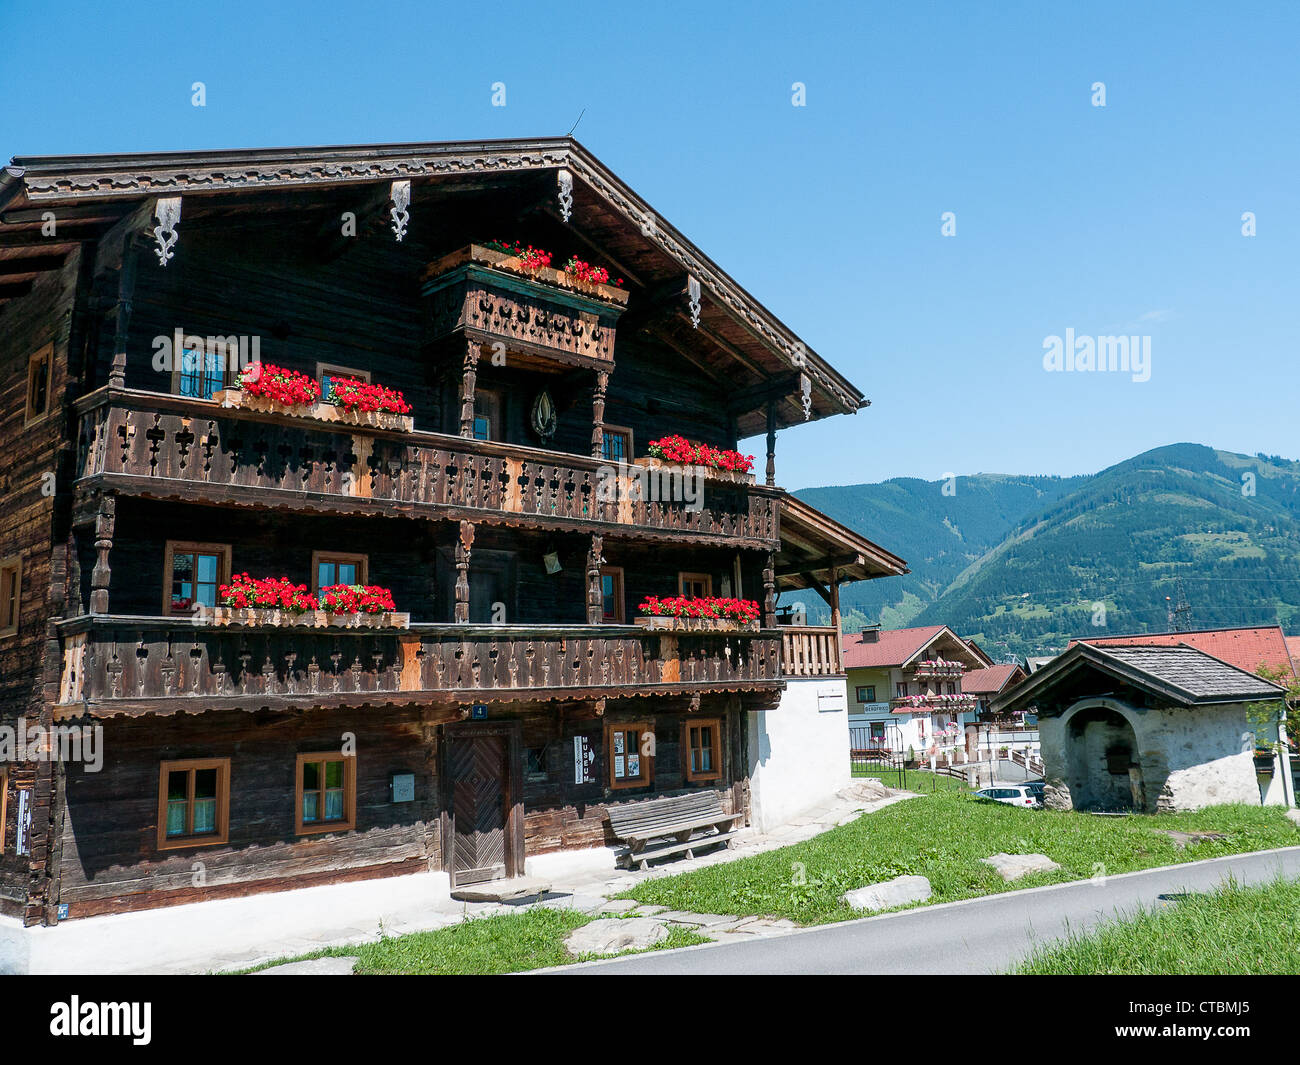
1177	675
1246	647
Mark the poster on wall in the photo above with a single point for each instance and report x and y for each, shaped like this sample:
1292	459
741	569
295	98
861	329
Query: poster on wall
583	759
22	844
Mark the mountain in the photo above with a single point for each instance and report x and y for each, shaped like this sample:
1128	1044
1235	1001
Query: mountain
1023	563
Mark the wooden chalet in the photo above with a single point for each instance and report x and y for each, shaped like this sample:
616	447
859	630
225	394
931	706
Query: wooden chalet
503	719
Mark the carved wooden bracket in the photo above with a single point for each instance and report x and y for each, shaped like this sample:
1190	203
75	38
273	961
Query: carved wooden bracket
693	299
401	197
565	180
600	707
167	213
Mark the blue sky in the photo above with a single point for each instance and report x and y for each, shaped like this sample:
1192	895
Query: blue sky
1117	220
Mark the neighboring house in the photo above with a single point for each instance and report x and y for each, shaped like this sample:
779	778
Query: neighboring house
1248	648
1148	727
488	733
988	734
905	689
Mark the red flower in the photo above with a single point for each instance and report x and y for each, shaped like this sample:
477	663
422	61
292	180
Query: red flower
679	606
286	387
679	449
351	394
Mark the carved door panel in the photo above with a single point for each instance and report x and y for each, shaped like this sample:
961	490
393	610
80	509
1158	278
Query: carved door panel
482	825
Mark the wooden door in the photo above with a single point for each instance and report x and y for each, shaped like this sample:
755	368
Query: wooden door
482	818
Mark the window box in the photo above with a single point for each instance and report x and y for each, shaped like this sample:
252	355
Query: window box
671	624
233	398
513	264
708	472
308	619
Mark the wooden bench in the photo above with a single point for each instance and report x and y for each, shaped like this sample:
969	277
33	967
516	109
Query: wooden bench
690	822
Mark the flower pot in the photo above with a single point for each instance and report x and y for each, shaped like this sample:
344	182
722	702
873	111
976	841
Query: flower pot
710	474
675	624
311	619
511	264
322	412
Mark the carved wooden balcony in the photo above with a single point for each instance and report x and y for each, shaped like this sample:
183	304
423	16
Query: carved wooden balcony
484	295
169	447
132	665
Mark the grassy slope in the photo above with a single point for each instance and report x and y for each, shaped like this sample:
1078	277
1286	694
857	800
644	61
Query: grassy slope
942	837
507	943
1232	931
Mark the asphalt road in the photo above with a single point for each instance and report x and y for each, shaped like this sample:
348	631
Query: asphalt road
977	936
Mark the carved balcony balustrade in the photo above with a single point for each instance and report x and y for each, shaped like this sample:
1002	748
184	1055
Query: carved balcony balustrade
133	665
170	447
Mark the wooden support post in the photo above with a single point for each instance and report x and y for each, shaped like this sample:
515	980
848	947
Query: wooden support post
598	415
469	379
769	592
595	604
835	598
771	442
463	546
102	574
122	314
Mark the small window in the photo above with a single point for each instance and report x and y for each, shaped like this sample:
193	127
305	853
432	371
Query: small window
204	370
701	748
617	446
900	689
630	750
40	383
330	568
866	693
487	415
694	585
611	595
193	574
326	372
193	803
11	594
327	793
535	765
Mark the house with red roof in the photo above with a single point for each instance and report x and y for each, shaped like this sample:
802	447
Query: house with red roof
905	689
1246	648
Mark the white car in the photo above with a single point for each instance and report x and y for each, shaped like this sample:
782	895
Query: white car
1011	794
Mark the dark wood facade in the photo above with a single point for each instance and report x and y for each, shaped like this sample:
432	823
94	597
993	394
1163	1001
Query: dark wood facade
508	668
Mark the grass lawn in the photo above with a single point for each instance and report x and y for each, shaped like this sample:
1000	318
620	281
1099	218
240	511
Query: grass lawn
942	837
1234	931
507	943
918	780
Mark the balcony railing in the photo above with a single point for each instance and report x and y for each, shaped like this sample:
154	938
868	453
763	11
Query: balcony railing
172	447
933	703
810	651
138	664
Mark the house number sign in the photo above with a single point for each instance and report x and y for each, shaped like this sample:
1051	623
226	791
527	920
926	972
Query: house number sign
583	759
